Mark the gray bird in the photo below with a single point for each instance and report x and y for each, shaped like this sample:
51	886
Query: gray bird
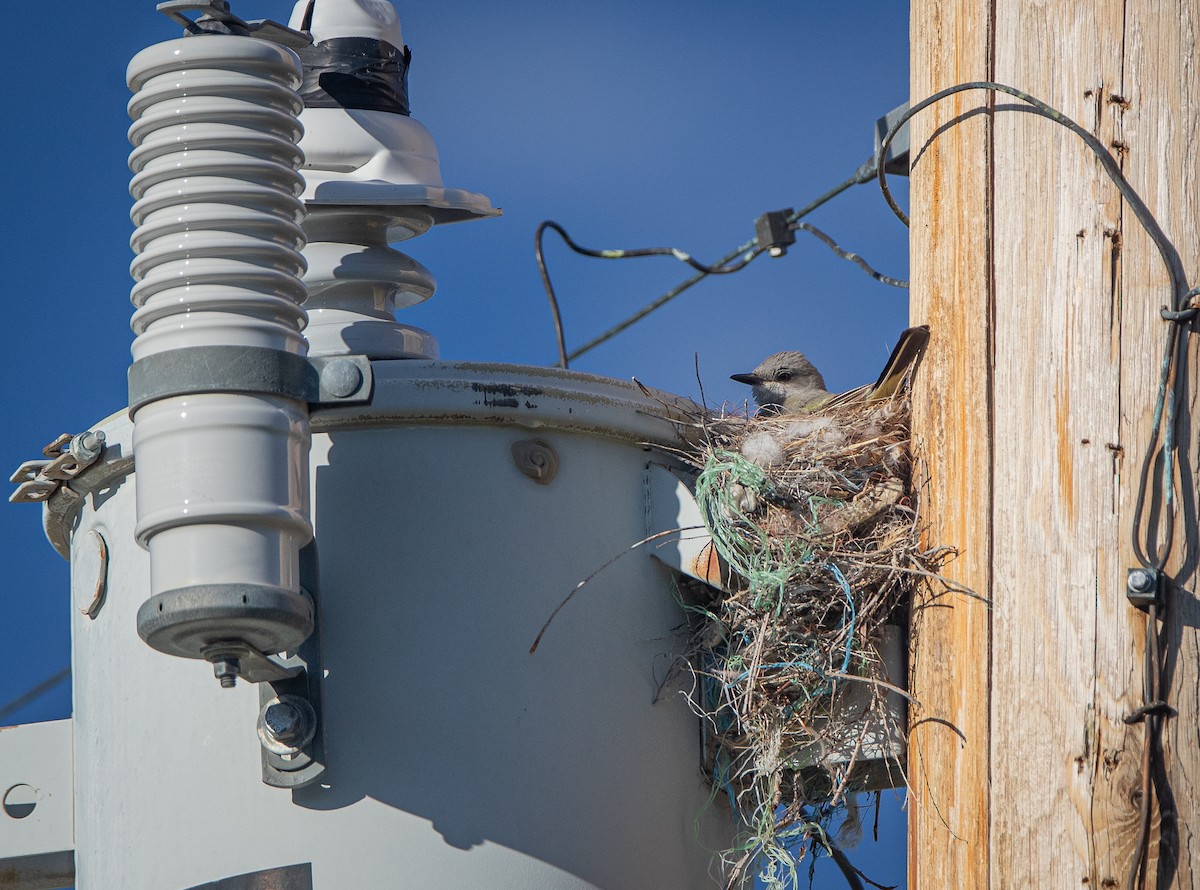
787	382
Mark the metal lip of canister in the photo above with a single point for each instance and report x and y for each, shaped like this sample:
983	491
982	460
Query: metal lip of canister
412	391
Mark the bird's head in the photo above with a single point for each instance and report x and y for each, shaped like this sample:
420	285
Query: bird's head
786	381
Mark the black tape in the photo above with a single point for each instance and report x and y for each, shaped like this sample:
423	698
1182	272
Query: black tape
355	72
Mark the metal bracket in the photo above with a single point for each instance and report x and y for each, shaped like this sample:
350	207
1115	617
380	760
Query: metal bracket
216	18
66	458
676	526
253	666
1142	586
342	380
36	796
237	369
897	161
295	770
287	877
321	380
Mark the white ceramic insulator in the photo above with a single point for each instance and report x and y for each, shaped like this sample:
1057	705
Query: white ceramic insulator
222	478
356	282
349	18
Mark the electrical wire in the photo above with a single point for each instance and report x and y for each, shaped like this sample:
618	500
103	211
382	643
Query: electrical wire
559	339
1169	255
1153	532
847	255
34	693
864	173
725	266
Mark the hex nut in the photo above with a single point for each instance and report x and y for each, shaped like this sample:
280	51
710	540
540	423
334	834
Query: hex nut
286	725
1141	581
226	670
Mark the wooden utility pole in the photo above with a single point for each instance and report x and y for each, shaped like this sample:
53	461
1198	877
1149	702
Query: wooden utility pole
1031	414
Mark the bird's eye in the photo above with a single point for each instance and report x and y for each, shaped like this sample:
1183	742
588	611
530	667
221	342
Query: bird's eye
784	376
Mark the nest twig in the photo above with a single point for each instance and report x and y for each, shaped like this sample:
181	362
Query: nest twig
815	518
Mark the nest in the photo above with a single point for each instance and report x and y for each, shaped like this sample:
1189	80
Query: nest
814	519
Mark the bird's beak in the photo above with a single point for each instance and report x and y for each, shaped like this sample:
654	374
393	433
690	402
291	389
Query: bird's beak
748	379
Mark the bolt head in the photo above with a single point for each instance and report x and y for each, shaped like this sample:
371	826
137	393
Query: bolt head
286	725
1140	581
283	721
341	378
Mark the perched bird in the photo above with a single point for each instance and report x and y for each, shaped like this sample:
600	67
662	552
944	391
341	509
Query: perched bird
787	382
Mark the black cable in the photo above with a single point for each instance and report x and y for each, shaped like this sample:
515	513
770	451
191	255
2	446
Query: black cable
1110	164
1150	681
33	694
852	257
865	173
554	310
1150	553
723	267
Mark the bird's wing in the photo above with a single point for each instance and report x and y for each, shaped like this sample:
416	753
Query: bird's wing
904	358
908	350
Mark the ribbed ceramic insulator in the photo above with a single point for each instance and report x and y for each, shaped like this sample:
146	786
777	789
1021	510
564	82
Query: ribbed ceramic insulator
222	475
356	282
219	232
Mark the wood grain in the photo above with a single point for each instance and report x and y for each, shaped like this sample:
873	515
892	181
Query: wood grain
950	291
1063	666
1031	413
1161	83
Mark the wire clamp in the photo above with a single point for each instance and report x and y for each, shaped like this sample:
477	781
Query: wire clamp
1142	586
66	457
215	17
774	233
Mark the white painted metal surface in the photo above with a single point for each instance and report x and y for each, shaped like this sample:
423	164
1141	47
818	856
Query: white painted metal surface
35	805
221	498
456	759
675	530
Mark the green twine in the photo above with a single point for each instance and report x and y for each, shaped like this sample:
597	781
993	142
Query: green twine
740	542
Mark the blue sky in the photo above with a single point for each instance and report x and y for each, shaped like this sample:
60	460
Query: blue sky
631	124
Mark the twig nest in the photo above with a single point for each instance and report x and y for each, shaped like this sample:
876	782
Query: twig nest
814	517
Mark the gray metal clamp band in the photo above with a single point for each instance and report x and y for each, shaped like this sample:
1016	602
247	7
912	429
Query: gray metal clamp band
199	369
318	380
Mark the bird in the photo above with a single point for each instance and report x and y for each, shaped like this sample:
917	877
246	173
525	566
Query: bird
788	383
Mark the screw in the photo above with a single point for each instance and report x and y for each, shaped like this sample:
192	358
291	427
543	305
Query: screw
284	722
286	725
1140	581
226	670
